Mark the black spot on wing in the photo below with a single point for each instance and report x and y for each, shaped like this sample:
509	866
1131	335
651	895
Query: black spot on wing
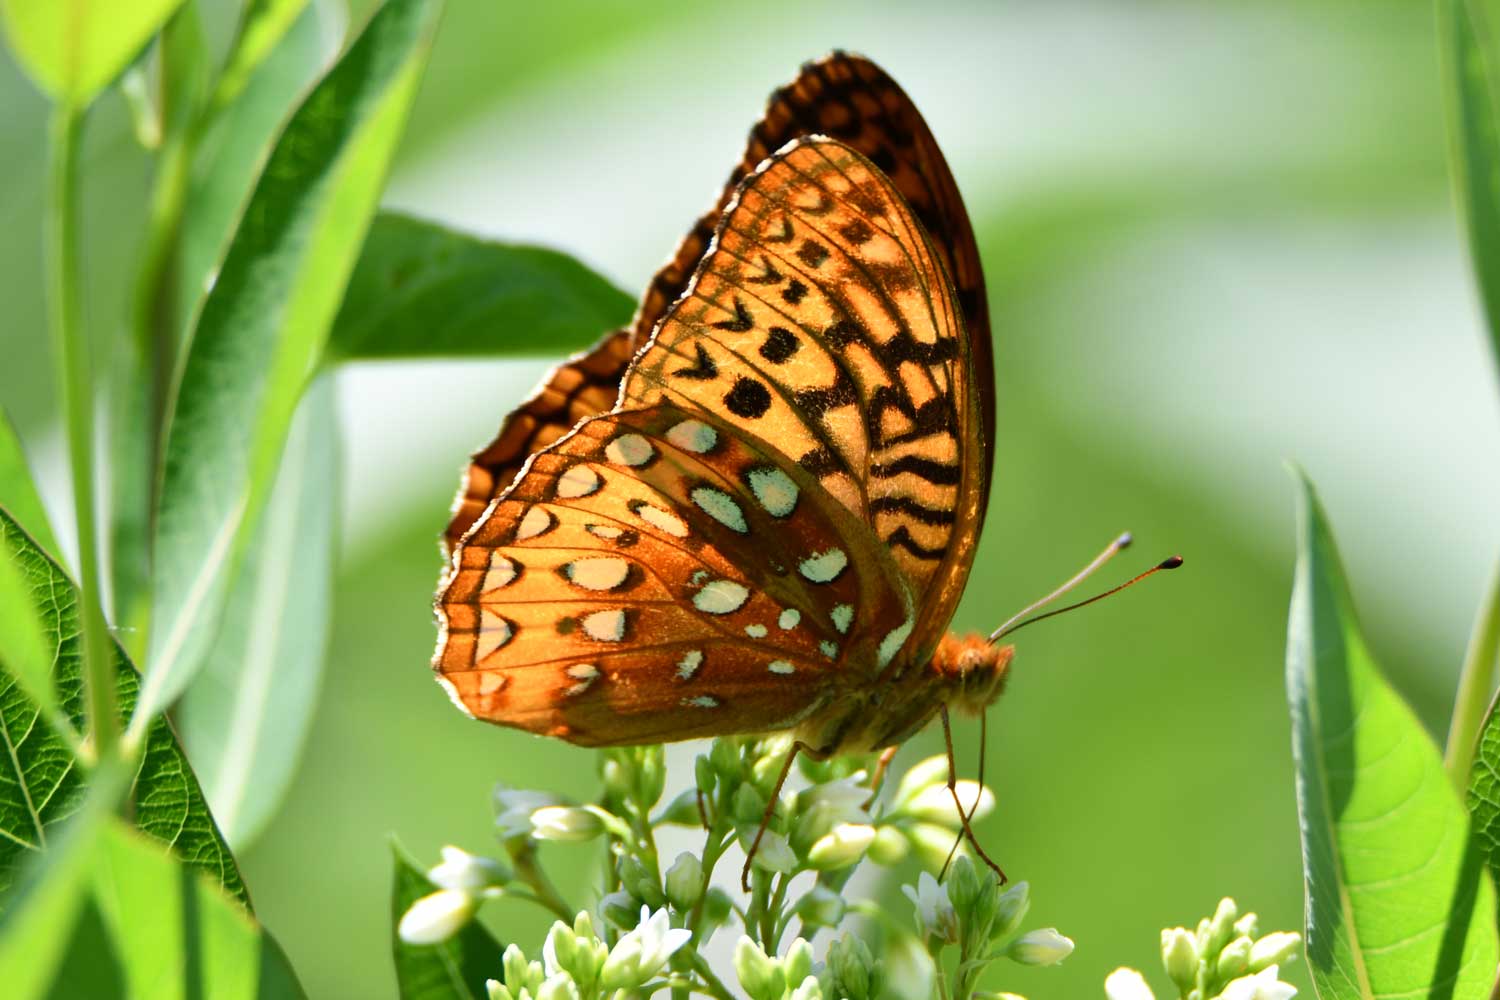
748	398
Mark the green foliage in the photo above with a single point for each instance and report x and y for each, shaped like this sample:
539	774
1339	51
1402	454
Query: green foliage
1471	50
261	332
452	969
263	24
424	291
18	492
1484	791
74	48
1377	809
244	718
43	781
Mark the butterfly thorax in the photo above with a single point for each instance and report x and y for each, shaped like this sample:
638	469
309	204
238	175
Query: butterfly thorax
966	673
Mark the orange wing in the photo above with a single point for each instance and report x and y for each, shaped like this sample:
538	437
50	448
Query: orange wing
659	575
787	487
844	96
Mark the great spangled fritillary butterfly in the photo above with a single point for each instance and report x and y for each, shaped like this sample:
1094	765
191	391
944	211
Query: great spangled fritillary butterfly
756	508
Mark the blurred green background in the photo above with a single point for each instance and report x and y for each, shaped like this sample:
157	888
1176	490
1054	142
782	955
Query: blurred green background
1217	236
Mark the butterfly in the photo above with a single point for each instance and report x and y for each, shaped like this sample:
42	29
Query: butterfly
755	509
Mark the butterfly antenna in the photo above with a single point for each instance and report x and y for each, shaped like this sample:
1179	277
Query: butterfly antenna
1123	542
1011	626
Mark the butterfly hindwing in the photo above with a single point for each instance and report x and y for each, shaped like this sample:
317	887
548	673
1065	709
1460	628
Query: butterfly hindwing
657	574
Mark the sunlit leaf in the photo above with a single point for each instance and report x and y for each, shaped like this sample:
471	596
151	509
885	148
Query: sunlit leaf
244	719
1475	682
176	935
42	784
453	970
262	329
37	915
75	48
262	25
24	656
1468	33
422	290
1398	902
18	490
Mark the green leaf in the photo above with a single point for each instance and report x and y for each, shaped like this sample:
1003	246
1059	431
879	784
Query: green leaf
174	934
1471	50
453	970
245	717
263	23
261	333
18	490
1475	681
23	650
1397	900
421	290
1484	790
75	48
42	784
37	914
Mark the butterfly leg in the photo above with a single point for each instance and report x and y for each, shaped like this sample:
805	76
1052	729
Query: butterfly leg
882	765
765	820
963	817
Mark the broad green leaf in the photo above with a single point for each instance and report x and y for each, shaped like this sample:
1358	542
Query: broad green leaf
1397	900
41	784
1471	48
23	649
75	48
18	492
1484	790
262	25
245	717
421	290
453	970
1475	682
38	914
261	332
175	935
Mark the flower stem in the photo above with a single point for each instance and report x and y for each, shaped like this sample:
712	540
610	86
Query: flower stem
77	391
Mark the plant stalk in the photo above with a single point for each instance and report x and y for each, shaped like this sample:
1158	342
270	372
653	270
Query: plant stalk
1471	703
76	383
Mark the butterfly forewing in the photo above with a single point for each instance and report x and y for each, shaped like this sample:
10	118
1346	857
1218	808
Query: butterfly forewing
822	321
658	574
844	96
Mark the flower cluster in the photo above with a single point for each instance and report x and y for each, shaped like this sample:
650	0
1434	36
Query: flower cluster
1226	958
653	918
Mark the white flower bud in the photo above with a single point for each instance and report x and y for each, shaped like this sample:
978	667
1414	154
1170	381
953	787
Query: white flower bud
809	990
565	823
1277	948
759	974
890	847
934	804
640	954
1043	947
1127	984
1220	928
558	987
470	872
1010	909
774	853
1179	956
685	882
932	771
842	846
934	844
437	916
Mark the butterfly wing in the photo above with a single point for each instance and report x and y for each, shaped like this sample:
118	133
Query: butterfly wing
788	485
844	96
658	575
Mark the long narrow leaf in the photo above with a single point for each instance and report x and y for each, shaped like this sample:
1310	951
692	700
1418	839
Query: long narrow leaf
1397	900
176	936
1471	51
42	784
245	717
425	291
261	333
74	48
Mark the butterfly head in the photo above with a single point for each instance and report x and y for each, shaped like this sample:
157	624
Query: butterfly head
972	670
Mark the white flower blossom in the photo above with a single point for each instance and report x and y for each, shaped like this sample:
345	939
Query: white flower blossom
935	803
1043	947
565	823
935	914
641	953
1263	985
